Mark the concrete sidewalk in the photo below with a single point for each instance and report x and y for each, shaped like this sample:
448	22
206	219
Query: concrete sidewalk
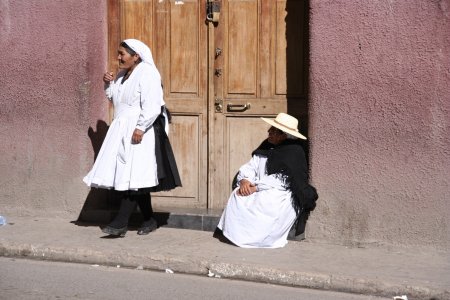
419	274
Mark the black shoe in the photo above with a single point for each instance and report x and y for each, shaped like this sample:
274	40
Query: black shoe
218	234
147	227
115	231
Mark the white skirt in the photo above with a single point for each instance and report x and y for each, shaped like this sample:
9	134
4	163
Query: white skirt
121	165
261	220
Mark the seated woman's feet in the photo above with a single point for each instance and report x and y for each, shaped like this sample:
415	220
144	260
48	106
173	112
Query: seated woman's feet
115	231
147	227
218	234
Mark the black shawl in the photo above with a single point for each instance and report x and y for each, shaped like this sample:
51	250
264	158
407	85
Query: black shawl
287	161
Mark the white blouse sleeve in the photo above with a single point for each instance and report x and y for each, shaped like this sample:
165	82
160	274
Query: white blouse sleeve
249	170
108	91
151	101
112	86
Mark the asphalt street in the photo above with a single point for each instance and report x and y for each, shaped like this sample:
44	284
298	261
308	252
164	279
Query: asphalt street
32	279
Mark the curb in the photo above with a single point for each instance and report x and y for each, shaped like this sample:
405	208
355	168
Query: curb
245	272
326	282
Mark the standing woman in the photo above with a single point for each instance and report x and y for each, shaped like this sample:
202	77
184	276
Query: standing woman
136	157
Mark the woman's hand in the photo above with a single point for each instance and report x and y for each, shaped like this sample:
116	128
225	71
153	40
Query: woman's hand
246	188
137	136
108	77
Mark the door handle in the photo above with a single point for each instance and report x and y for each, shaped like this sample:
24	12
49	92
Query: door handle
238	107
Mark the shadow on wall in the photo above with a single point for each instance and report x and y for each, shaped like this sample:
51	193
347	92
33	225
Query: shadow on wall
297	64
99	201
297	79
97	137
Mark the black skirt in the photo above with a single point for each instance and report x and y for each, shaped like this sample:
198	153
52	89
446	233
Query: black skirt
168	176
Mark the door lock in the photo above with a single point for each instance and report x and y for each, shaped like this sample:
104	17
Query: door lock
218	105
213	10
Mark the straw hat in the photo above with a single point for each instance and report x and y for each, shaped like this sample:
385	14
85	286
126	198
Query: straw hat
286	123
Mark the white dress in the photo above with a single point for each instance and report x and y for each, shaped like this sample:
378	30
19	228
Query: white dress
120	164
263	219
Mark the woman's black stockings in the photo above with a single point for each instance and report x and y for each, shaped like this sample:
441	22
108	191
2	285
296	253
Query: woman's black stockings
128	206
145	206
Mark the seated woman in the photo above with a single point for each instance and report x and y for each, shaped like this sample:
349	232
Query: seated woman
270	193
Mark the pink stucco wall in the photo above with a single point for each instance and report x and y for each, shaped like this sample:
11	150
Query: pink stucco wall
379	114
380	117
53	58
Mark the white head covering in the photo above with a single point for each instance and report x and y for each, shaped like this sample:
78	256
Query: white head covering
142	49
145	54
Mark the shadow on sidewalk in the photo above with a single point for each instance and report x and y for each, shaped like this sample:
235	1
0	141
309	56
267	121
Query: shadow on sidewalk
97	199
101	205
104	217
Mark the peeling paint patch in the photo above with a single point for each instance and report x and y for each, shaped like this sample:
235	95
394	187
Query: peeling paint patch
84	88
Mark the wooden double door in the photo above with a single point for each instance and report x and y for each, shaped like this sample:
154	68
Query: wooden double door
221	73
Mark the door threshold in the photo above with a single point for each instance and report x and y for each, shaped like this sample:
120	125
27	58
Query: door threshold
188	218
172	217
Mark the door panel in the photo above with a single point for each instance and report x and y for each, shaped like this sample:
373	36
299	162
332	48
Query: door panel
240	47
219	79
245	143
289	45
184	50
185	133
180	44
137	20
252	84
176	34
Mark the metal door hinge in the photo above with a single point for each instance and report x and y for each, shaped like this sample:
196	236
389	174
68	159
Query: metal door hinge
218	52
213	10
218	72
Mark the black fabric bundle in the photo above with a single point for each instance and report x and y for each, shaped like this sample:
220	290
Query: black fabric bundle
287	161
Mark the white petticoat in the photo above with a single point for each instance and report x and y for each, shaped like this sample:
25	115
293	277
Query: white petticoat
121	165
